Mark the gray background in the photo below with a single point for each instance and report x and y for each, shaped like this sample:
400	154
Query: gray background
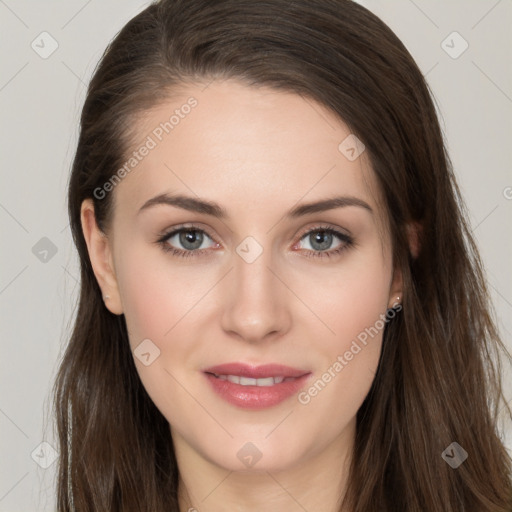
40	101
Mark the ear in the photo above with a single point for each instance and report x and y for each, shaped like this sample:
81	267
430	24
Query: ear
413	230
100	254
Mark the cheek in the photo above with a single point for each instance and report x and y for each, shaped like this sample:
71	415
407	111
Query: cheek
162	303
349	299
157	305
156	294
352	303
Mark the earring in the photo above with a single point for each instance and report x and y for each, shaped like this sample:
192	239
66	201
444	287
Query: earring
105	297
396	303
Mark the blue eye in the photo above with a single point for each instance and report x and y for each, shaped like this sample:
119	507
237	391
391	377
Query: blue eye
321	238
192	238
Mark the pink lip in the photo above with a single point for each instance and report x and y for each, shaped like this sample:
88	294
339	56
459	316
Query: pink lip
256	397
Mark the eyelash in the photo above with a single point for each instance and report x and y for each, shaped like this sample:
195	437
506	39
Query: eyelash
348	242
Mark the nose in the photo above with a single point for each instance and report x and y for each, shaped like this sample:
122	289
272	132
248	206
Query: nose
255	308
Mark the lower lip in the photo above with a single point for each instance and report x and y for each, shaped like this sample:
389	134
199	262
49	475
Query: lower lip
256	397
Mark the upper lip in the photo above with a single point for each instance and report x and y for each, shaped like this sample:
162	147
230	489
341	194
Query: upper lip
256	372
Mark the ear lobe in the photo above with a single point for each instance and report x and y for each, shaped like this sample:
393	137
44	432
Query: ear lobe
413	234
100	254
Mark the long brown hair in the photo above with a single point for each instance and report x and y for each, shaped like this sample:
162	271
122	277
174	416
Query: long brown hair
438	379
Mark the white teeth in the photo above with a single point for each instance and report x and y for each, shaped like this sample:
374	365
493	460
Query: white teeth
248	381
269	381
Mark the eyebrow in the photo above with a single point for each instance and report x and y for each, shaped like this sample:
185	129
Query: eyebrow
215	210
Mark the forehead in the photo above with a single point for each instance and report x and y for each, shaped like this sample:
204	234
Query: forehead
246	148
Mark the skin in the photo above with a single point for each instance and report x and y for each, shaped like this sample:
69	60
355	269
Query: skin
258	153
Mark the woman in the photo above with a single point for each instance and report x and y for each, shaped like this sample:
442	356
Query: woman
282	306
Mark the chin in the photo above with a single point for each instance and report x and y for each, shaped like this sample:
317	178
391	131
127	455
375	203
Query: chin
253	454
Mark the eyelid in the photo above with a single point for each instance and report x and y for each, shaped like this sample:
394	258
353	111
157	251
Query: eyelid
323	226
166	233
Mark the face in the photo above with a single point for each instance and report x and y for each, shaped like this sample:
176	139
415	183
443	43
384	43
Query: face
268	282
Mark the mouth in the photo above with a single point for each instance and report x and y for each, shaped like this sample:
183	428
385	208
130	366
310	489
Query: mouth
255	387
